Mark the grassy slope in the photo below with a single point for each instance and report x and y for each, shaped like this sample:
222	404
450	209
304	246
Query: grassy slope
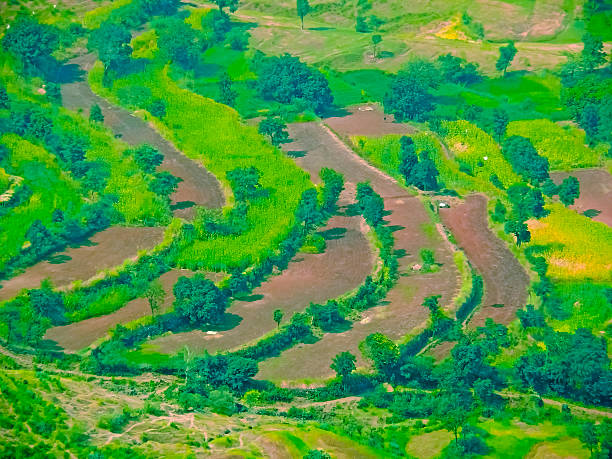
52	188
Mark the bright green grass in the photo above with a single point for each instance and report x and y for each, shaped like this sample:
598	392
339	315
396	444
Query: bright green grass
472	145
587	303
383	152
212	133
576	247
52	189
515	440
563	146
144	45
429	445
94	18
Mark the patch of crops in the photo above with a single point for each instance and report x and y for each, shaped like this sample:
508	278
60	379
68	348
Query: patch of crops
564	146
575	247
212	133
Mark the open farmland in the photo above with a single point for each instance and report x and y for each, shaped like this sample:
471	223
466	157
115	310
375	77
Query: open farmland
595	192
79	335
505	280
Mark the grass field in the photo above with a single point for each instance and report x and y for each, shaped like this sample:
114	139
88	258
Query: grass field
564	146
51	189
576	247
224	144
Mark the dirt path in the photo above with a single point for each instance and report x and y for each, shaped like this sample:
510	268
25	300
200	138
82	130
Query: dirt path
401	311
79	335
316	278
103	250
199	187
595	192
367	120
505	280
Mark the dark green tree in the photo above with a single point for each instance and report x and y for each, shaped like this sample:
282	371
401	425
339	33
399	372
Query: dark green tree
408	159
549	188
164	183
506	56
425	174
179	43
112	43
277	316
147	157
30	41
524	159
4	98
95	114
275	129
232	5
227	94
303	8
199	300
593	54
333	184
245	183
383	353
500	123
409	97
519	229
343	364
569	190
158	108
376	40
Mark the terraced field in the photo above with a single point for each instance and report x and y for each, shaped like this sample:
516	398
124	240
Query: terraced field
315	278
401	311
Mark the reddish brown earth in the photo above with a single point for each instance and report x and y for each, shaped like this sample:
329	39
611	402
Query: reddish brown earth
82	334
367	120
316	278
401	311
199	187
505	280
595	192
104	250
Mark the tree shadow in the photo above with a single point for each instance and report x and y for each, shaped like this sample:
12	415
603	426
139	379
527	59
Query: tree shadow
296	153
228	322
591	213
69	73
395	228
182	205
335	112
249	298
339	327
59	259
333	233
385	54
400	253
319	29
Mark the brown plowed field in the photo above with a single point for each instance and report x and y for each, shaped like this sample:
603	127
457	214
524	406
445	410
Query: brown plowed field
401	311
82	334
316	278
595	192
104	250
505	280
367	120
198	187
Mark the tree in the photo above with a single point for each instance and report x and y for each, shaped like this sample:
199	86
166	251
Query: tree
227	94
343	364
456	70
506	55
589	121
275	129
155	295
409	97
303	8
30	41
593	54
569	190
425	174
245	183
308	209
231	4
277	316
47	303
519	229
158	108
383	353
588	436
147	157
112	42
316	454
524	159
164	183
333	184
199	300
500	123
4	98
179	42
238	39
549	188
453	409
287	80
376	39
95	114
219	23
370	204
408	158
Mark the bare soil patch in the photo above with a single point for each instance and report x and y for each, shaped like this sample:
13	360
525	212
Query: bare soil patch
82	334
505	280
199	187
401	311
103	250
595	192
367	120
316	278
